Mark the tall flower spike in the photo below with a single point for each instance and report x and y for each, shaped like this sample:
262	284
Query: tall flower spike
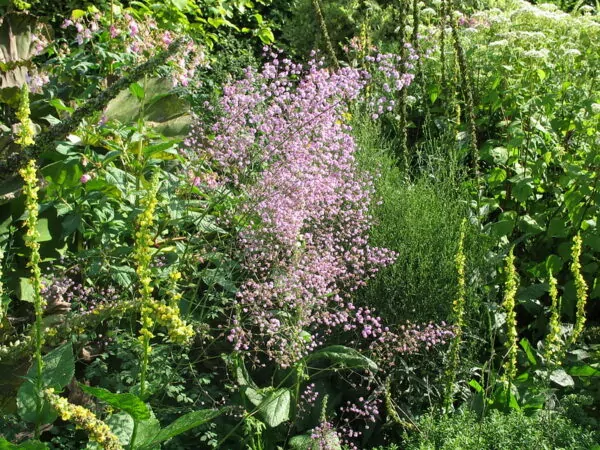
2	313
580	288
553	347
83	418
508	304
458	310
26	130
143	256
30	190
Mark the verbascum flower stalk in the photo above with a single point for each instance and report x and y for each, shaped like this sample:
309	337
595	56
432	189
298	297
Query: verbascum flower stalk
458	311
508	304
466	87
143	257
323	25
2	312
553	345
443	42
83	418
168	315
580	289
26	131
30	190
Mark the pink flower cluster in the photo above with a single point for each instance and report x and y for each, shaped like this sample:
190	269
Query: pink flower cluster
282	141
389	75
139	39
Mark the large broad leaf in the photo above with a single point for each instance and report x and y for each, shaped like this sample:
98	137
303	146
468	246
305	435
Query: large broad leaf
59	369
562	378
273	405
181	425
344	357
584	371
16	50
275	408
121	424
129	403
147	430
160	109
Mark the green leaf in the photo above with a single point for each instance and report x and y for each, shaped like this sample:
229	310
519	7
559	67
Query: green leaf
584	371
161	109
554	263
121	424
523	189
496	176
305	442
27	445
475	385
345	357
502	227
129	403
25	291
499	155
179	4
275	408
562	378
526	346
59	369
541	74
147	430
77	14
185	423
558	228
266	35
301	442
529	225
137	91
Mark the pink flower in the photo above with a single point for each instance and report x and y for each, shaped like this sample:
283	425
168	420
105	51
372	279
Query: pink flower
166	38
85	178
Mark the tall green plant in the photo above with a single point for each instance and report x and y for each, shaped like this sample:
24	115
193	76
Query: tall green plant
30	190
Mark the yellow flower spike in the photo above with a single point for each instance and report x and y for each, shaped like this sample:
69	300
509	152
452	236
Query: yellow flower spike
458	311
580	288
508	304
97	430
30	191
553	346
2	312
26	130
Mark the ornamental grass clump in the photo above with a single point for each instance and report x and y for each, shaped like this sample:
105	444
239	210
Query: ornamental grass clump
282	142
